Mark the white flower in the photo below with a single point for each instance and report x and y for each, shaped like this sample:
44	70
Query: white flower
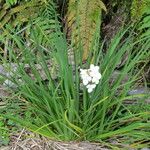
85	77
94	71
86	80
94	68
90	77
90	87
83	71
95	80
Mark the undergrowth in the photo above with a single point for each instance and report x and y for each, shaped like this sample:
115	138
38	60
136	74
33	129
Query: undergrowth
52	91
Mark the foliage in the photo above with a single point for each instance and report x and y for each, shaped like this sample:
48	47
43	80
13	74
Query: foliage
18	14
64	110
139	8
46	19
83	19
16	106
144	26
7	128
4	132
60	106
11	2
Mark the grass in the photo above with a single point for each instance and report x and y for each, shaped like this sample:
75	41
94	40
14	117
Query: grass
61	108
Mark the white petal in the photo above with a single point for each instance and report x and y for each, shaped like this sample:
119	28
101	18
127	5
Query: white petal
99	75
91	86
95	80
85	82
94	68
97	67
96	75
88	86
91	73
83	71
90	90
88	78
82	76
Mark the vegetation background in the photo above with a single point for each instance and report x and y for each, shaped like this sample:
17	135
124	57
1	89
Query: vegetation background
76	32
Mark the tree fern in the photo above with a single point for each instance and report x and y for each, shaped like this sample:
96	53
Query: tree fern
82	19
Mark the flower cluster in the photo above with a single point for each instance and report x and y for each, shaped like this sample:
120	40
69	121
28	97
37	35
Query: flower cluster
90	77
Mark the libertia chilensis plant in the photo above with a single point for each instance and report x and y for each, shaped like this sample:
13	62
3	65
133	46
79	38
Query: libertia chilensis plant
64	108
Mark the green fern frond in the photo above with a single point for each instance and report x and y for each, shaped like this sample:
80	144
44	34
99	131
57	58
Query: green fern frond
41	12
46	25
82	19
11	2
9	15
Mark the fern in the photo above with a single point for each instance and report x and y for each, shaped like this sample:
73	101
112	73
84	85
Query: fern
18	14
41	12
82	19
11	2
46	24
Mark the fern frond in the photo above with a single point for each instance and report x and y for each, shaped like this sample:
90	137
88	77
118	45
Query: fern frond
11	2
82	19
41	12
46	25
9	15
